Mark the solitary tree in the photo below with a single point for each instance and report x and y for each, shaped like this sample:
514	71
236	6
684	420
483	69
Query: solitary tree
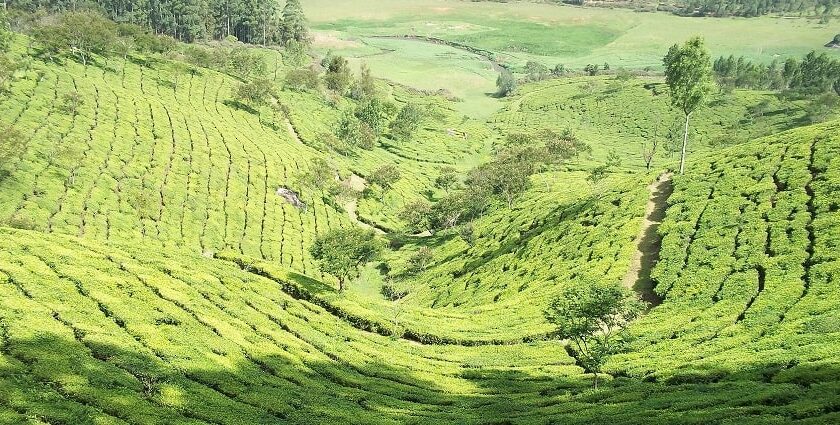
353	133
294	23
447	178
364	86
406	122
340	252
592	316
255	92
420	260
385	177
72	101
418	215
338	75
505	83
319	175
376	113
507	176
688	73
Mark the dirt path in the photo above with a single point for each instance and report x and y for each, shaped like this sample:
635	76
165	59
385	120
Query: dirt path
648	242
358	184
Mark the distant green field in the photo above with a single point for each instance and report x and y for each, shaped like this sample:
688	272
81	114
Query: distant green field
571	35
522	31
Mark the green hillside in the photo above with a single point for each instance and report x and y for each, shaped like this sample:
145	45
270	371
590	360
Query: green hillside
164	212
89	329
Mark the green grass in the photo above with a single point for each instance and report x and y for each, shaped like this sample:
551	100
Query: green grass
571	35
520	31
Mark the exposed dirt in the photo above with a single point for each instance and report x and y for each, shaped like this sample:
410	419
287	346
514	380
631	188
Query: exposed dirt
649	242
358	184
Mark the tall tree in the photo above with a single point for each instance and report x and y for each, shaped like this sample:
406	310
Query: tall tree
338	75
688	73
592	316
294	23
5	33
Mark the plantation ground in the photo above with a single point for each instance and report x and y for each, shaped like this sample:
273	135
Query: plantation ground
149	274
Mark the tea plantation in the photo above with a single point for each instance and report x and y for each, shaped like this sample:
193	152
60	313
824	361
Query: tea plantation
154	268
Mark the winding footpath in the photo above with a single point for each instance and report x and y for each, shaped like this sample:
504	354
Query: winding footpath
648	241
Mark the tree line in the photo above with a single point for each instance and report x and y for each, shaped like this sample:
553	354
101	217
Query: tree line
752	8
249	21
813	74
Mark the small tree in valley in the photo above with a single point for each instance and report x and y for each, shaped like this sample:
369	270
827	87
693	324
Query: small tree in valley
593	317
505	83
338	76
340	252
406	122
447	178
418	216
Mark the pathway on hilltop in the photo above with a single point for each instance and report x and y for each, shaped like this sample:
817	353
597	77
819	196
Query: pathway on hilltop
648	242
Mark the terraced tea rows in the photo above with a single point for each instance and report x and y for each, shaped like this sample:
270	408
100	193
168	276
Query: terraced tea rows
145	160
214	344
150	152
749	267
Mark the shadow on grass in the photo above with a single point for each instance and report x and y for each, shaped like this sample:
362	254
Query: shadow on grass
84	379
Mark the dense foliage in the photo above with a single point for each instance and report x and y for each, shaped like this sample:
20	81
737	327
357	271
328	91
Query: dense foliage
255	22
814	73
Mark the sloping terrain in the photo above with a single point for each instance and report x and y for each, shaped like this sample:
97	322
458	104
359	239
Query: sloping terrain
150	275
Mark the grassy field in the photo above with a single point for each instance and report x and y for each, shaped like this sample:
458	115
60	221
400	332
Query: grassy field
520	31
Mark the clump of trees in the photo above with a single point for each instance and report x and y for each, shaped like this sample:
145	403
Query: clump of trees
752	8
255	22
340	252
536	71
505	177
688	74
814	73
79	34
592	317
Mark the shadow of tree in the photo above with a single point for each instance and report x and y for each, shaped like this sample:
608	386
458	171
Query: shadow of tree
61	380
